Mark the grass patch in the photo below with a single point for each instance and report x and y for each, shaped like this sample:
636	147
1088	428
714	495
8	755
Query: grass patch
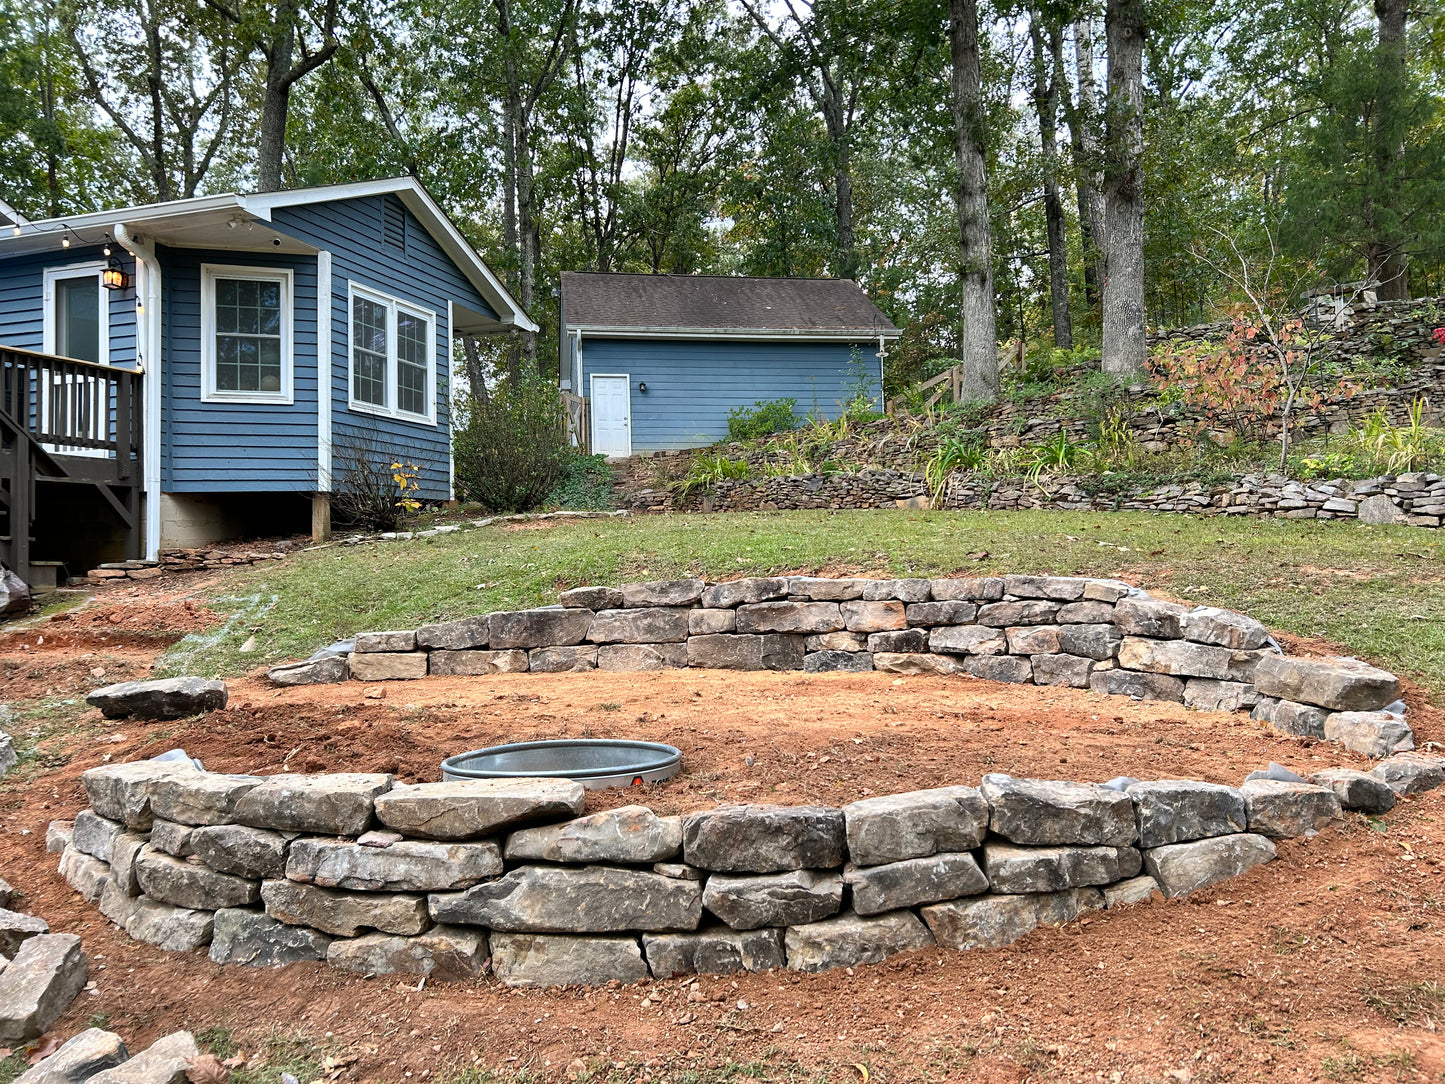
293	1053
13	1066
1411	1004
1375	590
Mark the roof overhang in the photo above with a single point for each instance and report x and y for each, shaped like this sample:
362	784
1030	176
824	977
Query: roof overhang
805	334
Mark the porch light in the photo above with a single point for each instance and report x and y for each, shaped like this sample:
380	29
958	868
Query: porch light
113	277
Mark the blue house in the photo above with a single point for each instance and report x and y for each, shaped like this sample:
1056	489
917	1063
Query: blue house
658	361
183	372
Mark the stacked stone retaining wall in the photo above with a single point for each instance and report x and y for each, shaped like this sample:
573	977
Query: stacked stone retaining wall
450	879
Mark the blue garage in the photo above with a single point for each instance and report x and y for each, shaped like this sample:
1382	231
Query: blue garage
661	360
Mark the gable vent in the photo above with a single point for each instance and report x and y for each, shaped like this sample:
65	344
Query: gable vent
393	224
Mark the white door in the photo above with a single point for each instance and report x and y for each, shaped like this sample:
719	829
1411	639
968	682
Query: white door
611	414
76	325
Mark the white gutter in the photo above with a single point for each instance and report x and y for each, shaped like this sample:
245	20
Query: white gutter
148	361
853	335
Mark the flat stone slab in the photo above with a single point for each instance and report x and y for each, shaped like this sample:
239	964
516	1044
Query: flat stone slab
647	625
16	929
327	671
1039	811
793	898
849	940
910	590
589	899
175	929
878	889
629	834
164	698
1178	810
917	663
1410	773
716	950
443	953
1143	616
1283	810
967	640
1207	694
370	642
1014	870
1337	684
1223	628
725	596
388	665
915	824
82	1057
466	809
1138	685
477	663
1134	890
94	834
408	866
790	617
627	658
461	635
255	939
996	921
540	628
192	885
254	853
1182	868
1357	790
838	662
1184	658
87	875
530	959
662	593
344	914
122	792
985	589
197	798
1376	734
763	838
337	804
39	984
165	1061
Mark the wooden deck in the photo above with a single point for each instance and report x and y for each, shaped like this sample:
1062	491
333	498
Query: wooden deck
67	429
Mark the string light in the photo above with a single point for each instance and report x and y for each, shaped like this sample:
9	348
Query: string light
65	241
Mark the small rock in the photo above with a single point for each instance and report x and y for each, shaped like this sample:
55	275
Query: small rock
58	835
165	1061
327	671
78	1060
165	698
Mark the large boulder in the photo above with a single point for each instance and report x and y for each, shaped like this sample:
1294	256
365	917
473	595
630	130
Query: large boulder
1376	734
122	792
763	838
629	834
398	641
406	866
634	657
1184	658
462	635
163	698
1223	628
187	884
94	834
1145	616
443	953
1283	810
848	940
175	929
1182	868
917	824
240	851
1178	810
557	627
255	939
995	921
715	950
1337	684
967	640
165	1061
1013	869
39	984
726	596
1039	811
726	651
662	593
1410	773
82	1057
589	899
1357	790
199	797
337	804
645	625
773	899
469	808
707	622
877	889
530	959
790	617
344	914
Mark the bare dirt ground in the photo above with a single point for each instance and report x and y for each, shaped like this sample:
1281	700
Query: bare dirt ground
1326	964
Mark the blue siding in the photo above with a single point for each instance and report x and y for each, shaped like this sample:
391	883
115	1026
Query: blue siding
424	275
22	293
234	447
692	384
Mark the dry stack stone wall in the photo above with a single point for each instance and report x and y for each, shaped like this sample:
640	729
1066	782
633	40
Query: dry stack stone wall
449	879
1097	634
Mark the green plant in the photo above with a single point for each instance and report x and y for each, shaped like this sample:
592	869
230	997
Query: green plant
586	484
762	419
510	442
862	388
707	470
1053	457
374	491
1400	447
951	455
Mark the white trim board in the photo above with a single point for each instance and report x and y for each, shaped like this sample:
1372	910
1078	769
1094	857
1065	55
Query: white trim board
286	394
861	336
325	360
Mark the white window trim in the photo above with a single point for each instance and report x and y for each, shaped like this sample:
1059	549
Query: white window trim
49	333
393	305
209	393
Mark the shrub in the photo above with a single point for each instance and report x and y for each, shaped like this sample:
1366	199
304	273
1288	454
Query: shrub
585	485
374	491
762	419
510	442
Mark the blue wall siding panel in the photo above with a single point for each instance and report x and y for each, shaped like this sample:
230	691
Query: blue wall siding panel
22	307
234	447
424	275
692	384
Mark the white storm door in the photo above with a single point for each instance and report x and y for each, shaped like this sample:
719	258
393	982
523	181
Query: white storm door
611	414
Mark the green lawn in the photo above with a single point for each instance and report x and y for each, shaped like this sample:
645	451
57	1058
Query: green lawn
1375	590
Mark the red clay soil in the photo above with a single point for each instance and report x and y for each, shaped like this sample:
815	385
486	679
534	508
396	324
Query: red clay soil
1325	964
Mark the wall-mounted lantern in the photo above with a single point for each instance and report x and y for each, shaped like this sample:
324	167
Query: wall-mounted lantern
113	277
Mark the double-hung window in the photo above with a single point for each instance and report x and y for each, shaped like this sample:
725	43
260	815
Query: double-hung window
393	356
246	334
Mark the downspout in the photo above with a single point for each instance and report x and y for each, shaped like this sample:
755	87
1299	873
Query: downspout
149	362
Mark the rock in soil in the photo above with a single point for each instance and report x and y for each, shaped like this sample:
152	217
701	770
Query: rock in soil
1182	868
1134	890
164	698
531	959
254	939
1375	734
165	1061
328	671
850	939
39	984
91	1052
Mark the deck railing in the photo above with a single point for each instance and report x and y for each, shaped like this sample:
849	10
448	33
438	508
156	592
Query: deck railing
576	407
74	407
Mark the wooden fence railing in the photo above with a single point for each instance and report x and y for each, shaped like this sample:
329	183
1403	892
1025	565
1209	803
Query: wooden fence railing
950	382
74	407
576	407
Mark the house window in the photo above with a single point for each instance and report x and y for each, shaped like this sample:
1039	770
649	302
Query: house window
246	334
76	324
393	356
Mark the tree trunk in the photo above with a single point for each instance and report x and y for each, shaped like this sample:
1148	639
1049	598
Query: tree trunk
1123	333
275	105
1046	102
1084	141
1389	266
978	351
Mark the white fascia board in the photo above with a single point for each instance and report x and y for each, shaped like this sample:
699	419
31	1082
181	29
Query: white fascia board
137	216
852	334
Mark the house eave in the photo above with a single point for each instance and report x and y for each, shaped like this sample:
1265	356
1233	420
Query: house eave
805	334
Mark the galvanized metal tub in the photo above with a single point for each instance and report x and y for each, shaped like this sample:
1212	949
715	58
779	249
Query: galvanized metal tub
594	762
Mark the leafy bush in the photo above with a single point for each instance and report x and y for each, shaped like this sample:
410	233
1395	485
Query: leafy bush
762	419
374	491
510	442
585	485
862	388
